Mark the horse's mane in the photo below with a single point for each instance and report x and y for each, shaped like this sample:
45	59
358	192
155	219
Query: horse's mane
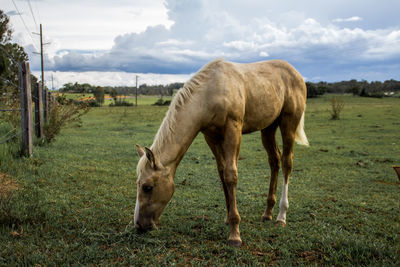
184	96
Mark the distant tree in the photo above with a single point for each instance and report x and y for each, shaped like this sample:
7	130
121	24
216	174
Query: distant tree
5	30
355	87
99	94
314	90
11	55
173	86
114	94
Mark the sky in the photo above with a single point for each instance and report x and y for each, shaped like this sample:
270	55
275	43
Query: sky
110	42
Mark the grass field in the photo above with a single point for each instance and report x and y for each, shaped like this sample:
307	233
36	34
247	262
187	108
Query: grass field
72	202
142	99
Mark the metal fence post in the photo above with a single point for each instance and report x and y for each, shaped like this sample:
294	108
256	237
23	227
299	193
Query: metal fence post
26	109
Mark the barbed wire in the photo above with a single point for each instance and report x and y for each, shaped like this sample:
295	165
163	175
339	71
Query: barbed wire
10	82
8	139
13	109
7	134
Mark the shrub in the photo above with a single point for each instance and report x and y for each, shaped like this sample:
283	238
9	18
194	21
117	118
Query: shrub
61	115
91	103
337	104
121	103
161	102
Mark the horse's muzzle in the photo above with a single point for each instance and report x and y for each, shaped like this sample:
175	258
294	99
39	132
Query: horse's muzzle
144	228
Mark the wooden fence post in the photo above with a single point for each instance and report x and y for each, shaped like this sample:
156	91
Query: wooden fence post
45	103
26	109
38	110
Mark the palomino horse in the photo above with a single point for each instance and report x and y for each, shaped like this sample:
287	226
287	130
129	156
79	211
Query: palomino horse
224	100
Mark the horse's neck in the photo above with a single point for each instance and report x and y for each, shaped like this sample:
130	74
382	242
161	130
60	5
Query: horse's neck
178	134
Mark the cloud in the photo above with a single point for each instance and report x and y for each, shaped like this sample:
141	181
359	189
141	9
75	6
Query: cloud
13	13
204	30
351	19
110	78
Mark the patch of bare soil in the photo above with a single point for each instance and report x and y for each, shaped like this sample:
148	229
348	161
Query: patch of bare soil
7	185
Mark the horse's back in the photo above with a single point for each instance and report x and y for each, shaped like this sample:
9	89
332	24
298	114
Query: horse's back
255	93
278	88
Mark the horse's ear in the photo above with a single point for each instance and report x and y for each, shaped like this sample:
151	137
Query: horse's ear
140	150
150	156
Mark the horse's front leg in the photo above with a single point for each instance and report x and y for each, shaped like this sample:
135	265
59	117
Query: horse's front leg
231	148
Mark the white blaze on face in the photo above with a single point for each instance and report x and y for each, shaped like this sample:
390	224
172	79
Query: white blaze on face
136	215
284	203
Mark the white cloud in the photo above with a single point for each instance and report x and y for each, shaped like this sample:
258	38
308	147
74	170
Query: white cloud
108	78
176	50
384	46
351	19
181	36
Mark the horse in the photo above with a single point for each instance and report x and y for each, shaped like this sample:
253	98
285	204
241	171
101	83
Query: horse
224	100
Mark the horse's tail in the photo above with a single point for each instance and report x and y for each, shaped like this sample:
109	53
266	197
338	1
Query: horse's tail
301	137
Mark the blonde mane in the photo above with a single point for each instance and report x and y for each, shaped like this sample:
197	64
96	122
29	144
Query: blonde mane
181	99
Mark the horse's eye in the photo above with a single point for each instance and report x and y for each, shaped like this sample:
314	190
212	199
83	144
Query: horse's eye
147	188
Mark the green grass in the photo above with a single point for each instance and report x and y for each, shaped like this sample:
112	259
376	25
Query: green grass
77	195
142	99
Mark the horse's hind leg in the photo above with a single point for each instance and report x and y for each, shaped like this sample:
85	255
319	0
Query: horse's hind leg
274	158
288	127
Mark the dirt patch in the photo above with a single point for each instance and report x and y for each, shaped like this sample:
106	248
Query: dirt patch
312	256
7	185
389	182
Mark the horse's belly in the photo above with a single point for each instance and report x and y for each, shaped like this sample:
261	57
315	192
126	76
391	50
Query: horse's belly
259	117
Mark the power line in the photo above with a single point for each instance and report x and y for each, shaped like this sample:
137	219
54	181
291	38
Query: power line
26	27
38	11
33	16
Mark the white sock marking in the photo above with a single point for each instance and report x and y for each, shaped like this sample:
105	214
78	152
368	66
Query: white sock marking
284	203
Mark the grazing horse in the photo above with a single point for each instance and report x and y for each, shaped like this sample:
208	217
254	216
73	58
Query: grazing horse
223	101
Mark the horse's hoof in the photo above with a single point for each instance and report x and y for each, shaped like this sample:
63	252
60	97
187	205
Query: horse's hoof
235	243
280	223
265	218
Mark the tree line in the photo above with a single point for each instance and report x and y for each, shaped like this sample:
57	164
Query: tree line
314	89
360	88
144	89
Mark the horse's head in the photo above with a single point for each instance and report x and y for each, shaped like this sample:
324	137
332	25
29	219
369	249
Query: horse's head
155	187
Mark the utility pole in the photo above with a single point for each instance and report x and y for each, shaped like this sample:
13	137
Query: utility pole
41	54
136	87
42	72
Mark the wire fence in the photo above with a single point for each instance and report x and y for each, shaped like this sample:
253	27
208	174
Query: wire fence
28	105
